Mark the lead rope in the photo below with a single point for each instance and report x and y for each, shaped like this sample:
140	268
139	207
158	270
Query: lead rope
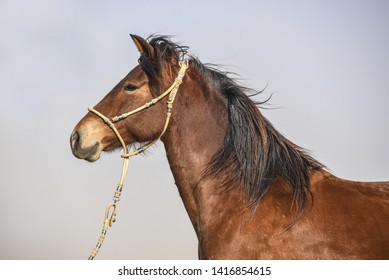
111	210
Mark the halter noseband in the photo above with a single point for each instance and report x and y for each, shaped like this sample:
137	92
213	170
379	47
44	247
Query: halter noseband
111	210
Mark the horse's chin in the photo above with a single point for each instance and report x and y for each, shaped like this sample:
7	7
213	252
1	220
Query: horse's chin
93	158
90	154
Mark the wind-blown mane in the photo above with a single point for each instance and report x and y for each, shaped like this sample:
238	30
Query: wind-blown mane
253	153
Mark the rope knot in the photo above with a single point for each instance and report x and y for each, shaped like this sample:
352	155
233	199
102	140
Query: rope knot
178	79
110	214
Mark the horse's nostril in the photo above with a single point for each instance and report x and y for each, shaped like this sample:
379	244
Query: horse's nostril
74	139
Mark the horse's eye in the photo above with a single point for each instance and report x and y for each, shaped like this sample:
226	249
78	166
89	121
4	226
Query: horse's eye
130	87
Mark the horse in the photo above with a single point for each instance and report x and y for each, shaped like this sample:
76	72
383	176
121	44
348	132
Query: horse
250	193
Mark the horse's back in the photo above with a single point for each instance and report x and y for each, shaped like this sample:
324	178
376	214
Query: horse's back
354	216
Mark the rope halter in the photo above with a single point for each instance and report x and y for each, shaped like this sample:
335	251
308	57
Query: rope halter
110	213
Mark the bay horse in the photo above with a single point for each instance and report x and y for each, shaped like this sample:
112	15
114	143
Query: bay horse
250	193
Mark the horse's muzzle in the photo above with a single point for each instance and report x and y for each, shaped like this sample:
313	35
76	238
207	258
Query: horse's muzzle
83	150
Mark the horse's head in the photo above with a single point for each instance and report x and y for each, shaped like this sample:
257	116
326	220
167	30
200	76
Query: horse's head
158	63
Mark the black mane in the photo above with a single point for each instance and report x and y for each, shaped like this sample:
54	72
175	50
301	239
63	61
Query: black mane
253	153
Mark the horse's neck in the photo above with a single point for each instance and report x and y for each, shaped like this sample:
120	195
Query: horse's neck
195	134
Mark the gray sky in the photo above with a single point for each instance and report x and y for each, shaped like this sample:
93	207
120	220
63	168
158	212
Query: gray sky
327	63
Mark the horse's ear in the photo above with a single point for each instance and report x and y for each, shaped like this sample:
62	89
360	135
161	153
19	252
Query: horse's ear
143	46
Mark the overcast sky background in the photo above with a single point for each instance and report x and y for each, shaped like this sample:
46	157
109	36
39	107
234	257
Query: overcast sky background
327	63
